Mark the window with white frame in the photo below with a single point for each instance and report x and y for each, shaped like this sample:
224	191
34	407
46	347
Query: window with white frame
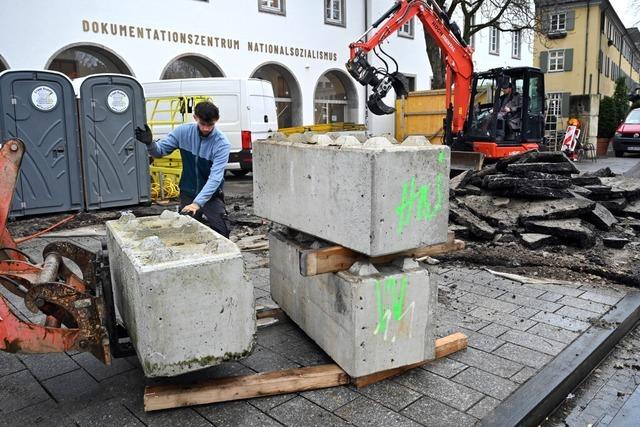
556	60
272	6
555	104
494	41
407	29
558	22
334	12
516	42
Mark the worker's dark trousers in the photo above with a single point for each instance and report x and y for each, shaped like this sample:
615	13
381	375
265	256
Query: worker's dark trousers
213	210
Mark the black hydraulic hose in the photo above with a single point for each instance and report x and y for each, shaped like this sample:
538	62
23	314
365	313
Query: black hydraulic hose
17	285
20	252
386	66
392	58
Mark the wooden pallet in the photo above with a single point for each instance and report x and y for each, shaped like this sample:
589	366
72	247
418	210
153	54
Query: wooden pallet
338	258
278	382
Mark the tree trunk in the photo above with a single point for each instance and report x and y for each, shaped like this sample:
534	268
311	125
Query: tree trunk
435	59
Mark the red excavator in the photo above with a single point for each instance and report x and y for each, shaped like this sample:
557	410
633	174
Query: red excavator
509	121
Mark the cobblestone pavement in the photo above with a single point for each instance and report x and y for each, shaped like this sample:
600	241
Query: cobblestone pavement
610	396
513	329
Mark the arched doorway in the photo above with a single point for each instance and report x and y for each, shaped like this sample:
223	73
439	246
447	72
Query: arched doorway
335	99
82	60
287	92
191	67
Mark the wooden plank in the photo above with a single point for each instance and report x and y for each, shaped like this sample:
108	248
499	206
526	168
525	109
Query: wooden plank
444	347
244	387
338	258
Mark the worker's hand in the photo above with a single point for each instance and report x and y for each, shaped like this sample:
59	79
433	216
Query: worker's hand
144	135
191	209
507	109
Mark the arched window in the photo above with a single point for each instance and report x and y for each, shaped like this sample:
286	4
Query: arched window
84	60
191	67
287	92
335	98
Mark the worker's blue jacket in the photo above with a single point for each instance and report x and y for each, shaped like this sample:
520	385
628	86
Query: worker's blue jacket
203	160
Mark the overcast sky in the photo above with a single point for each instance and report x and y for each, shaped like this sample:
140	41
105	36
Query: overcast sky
628	11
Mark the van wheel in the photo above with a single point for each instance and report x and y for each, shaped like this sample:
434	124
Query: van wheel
239	172
619	153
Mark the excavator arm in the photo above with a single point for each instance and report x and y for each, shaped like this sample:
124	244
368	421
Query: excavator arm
455	52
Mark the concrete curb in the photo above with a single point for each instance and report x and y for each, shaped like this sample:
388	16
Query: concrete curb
538	397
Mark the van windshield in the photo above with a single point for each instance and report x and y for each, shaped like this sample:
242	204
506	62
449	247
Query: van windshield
633	118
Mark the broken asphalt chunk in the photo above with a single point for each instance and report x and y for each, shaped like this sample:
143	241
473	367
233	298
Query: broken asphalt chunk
572	230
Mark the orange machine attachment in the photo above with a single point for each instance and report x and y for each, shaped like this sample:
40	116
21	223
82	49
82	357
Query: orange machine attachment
77	317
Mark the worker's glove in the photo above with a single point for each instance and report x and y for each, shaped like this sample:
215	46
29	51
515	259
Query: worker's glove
144	135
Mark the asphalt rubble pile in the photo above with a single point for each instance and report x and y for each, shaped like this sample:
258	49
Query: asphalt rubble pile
540	200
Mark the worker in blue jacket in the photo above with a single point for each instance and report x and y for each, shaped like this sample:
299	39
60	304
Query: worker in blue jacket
205	153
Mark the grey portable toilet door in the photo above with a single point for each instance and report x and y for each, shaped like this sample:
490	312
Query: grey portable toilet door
44	117
116	165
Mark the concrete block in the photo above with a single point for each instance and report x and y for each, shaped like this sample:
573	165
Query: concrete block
375	198
366	322
181	291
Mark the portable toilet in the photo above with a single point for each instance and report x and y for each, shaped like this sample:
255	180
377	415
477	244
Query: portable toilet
116	166
39	107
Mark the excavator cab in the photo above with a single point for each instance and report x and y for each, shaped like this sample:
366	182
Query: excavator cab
506	115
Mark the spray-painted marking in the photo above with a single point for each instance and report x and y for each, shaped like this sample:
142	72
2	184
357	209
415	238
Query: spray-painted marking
390	302
426	209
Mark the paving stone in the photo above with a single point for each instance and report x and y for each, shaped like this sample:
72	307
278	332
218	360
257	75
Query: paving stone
494	330
20	390
104	413
482	408
390	394
264	360
481	341
518	288
9	363
493	304
430	412
235	414
45	414
508	320
366	412
585	304
465	320
442	389
265	404
523	355
301	412
306	354
486	383
99	370
480	289
572	290
45	366
331	398
445	367
524	375
534	303
550	296
602	298
534	342
554	333
525	312
578	314
72	387
487	362
561	321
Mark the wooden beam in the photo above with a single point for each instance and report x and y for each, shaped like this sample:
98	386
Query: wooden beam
444	347
338	258
244	387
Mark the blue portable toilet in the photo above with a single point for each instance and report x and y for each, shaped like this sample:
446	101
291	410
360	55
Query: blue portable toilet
39	107
116	166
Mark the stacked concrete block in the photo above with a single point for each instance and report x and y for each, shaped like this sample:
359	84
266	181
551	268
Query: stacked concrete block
375	198
368	319
182	293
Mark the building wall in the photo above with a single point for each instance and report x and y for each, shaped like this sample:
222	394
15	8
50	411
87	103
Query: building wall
39	29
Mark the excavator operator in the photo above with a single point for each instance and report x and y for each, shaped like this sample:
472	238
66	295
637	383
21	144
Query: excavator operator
509	110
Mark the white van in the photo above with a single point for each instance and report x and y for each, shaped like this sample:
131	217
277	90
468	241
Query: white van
247	111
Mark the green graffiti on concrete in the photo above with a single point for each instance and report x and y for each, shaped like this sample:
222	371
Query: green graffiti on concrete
390	302
428	199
